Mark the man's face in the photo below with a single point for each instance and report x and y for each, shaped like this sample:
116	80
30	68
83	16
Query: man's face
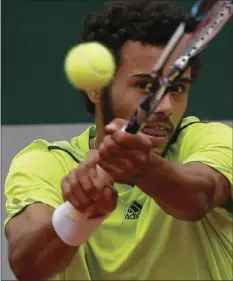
128	89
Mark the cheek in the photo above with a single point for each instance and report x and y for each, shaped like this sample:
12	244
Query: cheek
179	109
125	101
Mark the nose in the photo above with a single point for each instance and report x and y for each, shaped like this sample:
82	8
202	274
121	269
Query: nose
165	106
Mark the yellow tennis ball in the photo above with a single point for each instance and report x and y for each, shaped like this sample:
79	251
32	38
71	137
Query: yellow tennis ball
89	66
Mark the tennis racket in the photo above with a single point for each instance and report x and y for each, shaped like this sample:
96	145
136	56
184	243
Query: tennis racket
206	20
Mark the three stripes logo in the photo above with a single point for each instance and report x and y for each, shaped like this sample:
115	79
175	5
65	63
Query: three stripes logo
133	211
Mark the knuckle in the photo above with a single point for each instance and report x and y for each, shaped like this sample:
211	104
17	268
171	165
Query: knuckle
89	163
102	154
119	137
109	146
107	139
76	204
149	145
107	142
72	173
72	179
82	208
64	182
85	168
141	158
129	165
66	191
145	141
88	188
112	146
119	122
81	167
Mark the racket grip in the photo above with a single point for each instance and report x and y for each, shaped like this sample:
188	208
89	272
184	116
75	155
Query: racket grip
104	177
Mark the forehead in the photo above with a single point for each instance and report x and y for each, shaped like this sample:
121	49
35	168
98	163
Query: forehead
140	58
137	57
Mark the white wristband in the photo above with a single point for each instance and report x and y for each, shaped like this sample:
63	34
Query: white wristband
73	227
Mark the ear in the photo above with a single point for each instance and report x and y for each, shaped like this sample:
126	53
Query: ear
94	96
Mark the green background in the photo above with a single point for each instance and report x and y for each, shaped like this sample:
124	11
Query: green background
37	34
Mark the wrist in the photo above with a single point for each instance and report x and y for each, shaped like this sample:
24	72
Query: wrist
74	228
147	170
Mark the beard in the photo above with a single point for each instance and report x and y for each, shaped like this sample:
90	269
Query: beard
109	115
173	138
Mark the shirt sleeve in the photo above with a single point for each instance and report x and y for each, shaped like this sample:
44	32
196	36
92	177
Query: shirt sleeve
35	175
210	144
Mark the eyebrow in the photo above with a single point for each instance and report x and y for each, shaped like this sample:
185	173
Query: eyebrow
184	79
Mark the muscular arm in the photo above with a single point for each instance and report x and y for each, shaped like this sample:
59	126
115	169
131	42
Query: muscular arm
186	191
35	250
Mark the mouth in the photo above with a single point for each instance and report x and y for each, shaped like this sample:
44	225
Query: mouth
159	132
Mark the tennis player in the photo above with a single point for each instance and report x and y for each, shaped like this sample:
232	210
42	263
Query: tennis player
169	215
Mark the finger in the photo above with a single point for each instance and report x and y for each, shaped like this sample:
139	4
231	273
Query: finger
67	194
74	191
118	162
114	166
85	178
115	125
92	173
110	145
135	157
110	150
107	201
110	195
132	141
85	189
66	190
99	181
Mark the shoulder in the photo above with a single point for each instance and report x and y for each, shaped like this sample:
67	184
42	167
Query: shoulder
34	160
194	135
61	155
194	130
36	150
38	171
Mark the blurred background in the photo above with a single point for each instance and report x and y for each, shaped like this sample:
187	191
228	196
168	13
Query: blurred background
38	102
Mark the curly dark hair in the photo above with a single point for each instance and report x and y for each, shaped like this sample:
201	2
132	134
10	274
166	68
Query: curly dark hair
151	22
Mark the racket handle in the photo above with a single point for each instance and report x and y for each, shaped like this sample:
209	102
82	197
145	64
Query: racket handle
104	177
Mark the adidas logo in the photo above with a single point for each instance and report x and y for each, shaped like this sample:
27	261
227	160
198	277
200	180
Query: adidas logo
133	211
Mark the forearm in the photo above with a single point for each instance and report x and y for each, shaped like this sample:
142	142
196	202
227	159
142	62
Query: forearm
184	191
37	253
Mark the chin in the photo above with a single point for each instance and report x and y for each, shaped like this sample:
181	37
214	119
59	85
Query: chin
159	145
158	150
159	142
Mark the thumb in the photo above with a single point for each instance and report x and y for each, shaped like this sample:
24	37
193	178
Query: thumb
115	125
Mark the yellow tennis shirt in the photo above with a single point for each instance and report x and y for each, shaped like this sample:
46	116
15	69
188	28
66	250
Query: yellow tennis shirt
138	241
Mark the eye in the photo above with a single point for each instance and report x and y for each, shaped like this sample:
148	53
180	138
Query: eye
179	88
143	85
